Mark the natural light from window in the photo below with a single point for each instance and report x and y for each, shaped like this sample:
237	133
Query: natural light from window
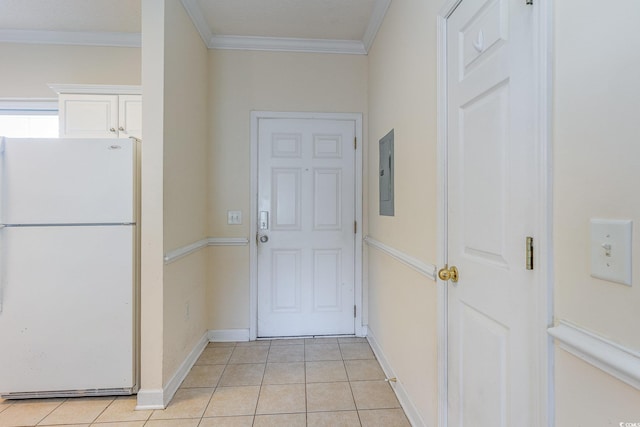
28	126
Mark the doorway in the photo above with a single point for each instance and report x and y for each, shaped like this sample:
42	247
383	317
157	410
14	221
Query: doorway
306	197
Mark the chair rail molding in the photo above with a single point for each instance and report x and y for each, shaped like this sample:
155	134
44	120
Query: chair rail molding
614	359
428	270
191	248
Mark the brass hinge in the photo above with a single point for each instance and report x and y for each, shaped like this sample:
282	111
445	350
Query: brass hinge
355	227
529	251
355	142
354	311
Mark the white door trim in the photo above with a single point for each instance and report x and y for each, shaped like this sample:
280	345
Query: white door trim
542	27
360	330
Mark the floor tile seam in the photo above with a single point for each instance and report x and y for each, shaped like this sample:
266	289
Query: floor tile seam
119	421
50	412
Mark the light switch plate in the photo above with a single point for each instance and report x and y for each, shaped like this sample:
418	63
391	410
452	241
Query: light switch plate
234	217
611	250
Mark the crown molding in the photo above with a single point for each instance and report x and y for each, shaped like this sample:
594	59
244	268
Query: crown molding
81	38
61	88
197	17
380	8
281	44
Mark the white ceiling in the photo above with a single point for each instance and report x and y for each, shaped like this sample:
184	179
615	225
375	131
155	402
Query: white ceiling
342	26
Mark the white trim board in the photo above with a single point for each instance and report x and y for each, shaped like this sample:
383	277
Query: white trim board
360	328
403	397
186	250
428	270
228	335
282	44
614	359
61	88
80	38
160	398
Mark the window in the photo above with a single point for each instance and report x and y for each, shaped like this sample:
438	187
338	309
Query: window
29	118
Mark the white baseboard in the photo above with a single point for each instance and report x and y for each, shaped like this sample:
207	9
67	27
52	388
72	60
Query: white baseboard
226	335
159	399
150	399
403	397
614	359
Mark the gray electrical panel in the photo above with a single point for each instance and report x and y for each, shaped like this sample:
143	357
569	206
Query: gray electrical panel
386	175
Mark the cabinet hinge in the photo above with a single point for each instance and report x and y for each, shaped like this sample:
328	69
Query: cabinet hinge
355	227
354	311
355	142
529	252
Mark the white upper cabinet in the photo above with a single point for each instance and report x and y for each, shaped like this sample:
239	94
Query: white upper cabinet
99	111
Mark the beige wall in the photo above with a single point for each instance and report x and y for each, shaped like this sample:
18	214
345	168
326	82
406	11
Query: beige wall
185	183
242	81
596	152
27	68
402	96
174	180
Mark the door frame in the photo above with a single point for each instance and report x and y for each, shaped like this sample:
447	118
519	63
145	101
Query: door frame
543	250
356	118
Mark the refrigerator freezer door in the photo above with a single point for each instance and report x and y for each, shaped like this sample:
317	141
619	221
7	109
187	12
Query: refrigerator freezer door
67	311
67	181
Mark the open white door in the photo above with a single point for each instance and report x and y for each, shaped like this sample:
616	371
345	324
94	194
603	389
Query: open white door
306	237
491	195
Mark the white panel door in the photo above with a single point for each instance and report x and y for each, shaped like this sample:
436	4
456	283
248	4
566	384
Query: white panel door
306	199
67	308
492	352
66	181
88	116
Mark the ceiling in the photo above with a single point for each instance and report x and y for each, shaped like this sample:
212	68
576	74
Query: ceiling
340	26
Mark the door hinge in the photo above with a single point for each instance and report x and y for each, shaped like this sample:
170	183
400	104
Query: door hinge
529	252
354	311
355	227
529	2
355	142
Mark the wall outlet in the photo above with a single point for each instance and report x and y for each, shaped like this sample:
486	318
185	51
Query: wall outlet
234	217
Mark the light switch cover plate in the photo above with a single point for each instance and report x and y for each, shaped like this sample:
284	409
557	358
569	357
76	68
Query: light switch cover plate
611	250
234	217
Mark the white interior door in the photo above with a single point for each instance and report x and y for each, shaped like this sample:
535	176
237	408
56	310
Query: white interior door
306	213
490	176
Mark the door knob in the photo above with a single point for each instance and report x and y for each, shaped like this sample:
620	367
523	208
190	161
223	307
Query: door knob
448	273
264	239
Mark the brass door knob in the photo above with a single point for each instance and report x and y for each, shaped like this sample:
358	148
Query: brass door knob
448	273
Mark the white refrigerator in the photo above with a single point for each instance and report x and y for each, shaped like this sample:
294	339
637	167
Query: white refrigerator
67	267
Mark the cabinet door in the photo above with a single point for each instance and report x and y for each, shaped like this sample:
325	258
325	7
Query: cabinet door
130	116
88	116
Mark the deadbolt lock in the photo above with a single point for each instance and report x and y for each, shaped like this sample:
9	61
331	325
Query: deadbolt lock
448	273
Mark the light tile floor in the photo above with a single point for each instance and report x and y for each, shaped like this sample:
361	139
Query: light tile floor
316	382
